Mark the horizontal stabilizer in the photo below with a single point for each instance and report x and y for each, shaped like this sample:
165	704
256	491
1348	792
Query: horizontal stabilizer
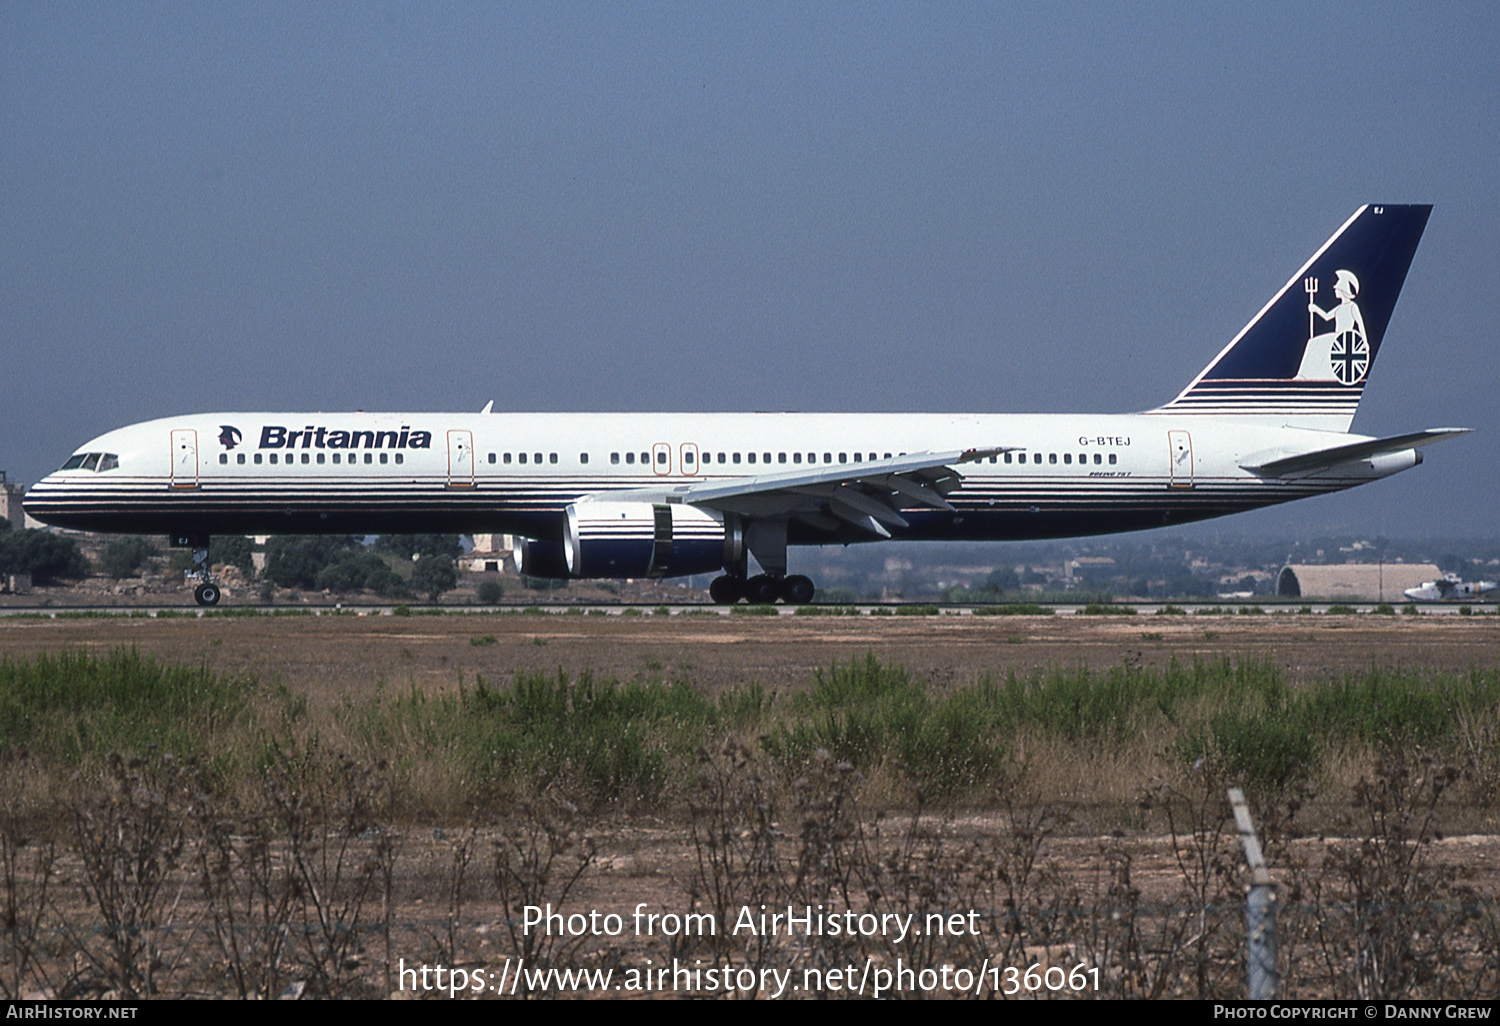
1347	453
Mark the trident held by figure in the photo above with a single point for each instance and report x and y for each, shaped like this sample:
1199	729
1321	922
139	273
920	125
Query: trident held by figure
1311	287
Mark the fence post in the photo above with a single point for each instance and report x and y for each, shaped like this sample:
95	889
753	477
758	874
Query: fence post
1260	907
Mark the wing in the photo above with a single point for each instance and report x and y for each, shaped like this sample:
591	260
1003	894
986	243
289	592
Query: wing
869	495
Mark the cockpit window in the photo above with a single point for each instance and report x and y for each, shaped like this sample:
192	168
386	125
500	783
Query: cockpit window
92	461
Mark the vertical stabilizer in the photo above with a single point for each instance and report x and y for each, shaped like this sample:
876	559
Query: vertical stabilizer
1304	359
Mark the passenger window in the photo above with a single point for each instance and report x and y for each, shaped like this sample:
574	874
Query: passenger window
522	457
336	458
1112	459
369	458
322	458
630	458
223	458
687	457
583	457
721	457
505	458
308	459
1098	459
736	457
843	457
828	457
796	457
781	457
614	457
400	457
240	458
1007	457
382	457
257	459
536	457
1036	457
856	458
1052	457
552	457
273	457
751	457
887	455
661	458
1068	458
492	457
872	457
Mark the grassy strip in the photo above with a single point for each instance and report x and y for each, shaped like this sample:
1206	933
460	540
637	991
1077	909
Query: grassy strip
638	743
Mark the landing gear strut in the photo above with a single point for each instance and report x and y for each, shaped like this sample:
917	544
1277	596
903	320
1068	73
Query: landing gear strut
207	593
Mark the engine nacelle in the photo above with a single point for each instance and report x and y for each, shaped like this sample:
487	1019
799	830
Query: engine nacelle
542	559
645	539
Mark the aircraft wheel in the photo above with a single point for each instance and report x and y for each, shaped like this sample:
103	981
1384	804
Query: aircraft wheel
797	590
726	590
207	594
762	590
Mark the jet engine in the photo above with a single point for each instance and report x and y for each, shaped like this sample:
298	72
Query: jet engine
645	539
543	559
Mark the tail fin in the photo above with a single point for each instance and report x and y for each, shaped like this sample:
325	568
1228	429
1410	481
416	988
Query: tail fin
1304	359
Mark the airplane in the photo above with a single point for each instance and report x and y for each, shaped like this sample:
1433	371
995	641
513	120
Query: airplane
1450	588
614	495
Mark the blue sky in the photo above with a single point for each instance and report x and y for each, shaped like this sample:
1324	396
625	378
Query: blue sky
989	208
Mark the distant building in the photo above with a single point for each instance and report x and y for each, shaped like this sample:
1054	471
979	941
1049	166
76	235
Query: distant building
1090	568
489	555
1353	582
10	501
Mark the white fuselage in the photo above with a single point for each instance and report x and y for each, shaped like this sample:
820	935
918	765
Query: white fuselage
1065	474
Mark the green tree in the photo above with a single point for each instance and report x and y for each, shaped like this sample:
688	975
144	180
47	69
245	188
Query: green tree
489	592
45	556
123	557
433	576
408	545
233	549
294	561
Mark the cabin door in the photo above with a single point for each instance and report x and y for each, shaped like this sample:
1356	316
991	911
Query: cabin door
460	459
184	458
1181	445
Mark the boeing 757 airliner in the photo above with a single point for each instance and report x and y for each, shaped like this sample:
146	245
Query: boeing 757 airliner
659	495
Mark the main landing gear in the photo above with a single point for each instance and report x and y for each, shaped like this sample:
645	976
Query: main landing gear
207	593
762	589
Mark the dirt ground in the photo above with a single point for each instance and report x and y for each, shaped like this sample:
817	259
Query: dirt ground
351	653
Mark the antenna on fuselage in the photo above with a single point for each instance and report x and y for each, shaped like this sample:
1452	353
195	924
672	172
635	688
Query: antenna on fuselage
488	406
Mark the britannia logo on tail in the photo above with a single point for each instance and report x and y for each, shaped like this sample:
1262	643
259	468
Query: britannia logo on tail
1343	354
229	436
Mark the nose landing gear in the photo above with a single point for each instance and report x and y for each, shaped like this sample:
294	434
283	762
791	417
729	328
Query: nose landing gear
207	593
